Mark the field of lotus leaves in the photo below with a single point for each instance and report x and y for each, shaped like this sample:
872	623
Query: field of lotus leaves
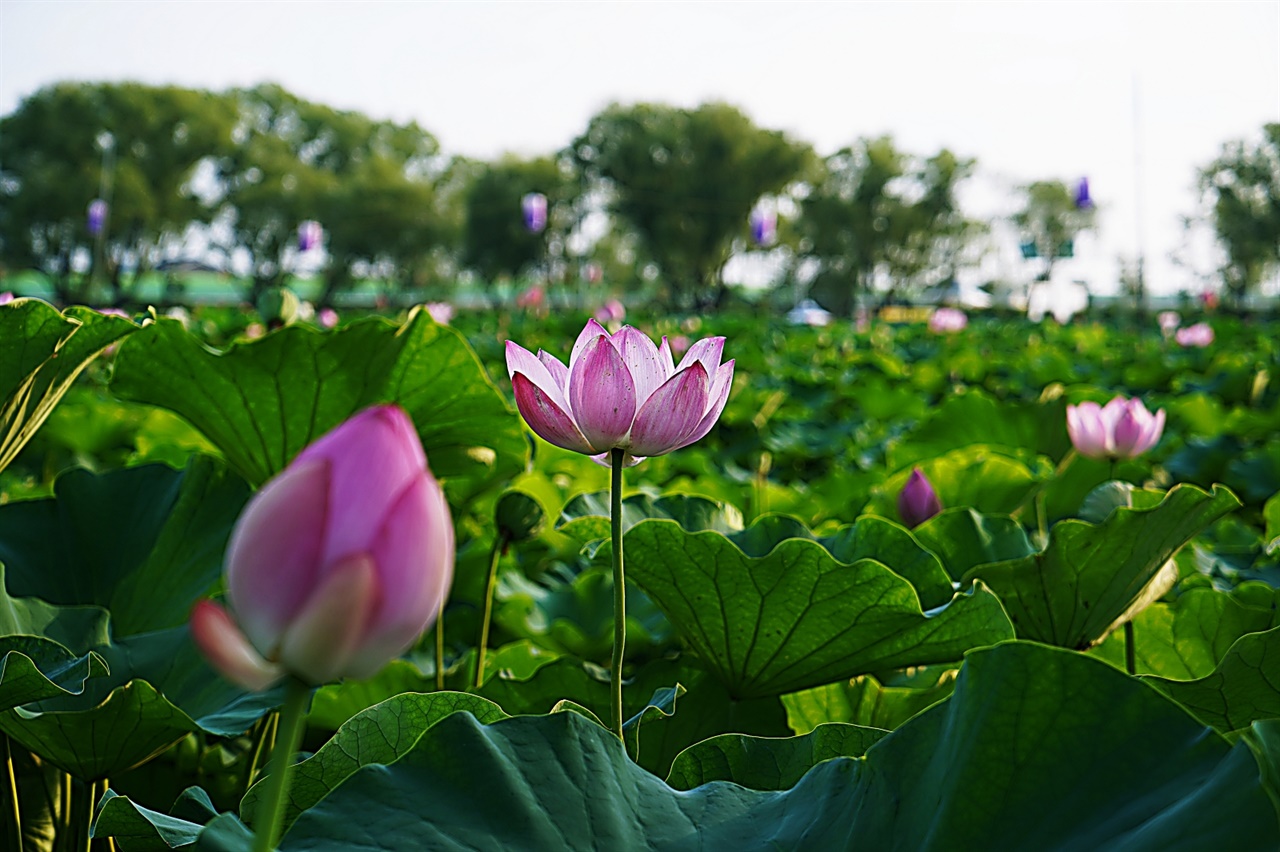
887	601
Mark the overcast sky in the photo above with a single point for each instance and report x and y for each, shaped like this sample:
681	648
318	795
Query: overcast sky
1134	95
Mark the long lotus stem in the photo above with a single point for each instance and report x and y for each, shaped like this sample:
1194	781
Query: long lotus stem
440	649
270	816
619	587
265	730
13	797
1130	652
499	542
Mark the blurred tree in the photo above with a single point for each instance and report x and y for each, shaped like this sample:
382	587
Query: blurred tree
1243	187
1050	221
880	215
685	181
496	243
139	146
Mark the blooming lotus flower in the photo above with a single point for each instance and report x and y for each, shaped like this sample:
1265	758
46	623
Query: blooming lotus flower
338	564
1169	322
1122	429
945	320
1199	335
611	311
441	312
535	298
620	391
917	501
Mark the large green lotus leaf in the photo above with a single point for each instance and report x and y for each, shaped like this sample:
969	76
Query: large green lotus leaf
41	352
963	538
768	763
1089	575
1188	638
159	689
868	537
139	829
1271	513
797	617
144	543
1242	689
380	734
864	701
35	641
974	417
988	479
586	516
994	767
1264	739
262	402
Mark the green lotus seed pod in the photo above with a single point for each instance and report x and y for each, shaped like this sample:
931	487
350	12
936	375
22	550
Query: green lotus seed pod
519	516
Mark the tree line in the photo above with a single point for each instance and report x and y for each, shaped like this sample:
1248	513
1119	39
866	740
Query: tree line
247	167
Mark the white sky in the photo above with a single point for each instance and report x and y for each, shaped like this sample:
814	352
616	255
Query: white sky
1033	90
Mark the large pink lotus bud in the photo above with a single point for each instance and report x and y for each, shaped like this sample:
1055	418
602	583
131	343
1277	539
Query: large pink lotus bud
1122	429
338	564
620	391
917	501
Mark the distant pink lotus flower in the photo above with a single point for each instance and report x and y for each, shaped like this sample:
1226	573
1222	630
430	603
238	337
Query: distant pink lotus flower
917	501
338	564
1168	321
620	391
441	312
764	226
6	297
679	344
1122	429
327	317
611	311
1199	335
535	297
947	320
254	330
310	235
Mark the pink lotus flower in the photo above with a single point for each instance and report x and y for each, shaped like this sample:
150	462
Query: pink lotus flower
1122	429
441	312
611	311
535	297
917	501
621	391
338	564
6	297
1199	335
327	317
1169	321
946	320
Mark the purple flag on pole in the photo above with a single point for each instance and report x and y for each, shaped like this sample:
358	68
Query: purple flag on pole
309	235
534	206
97	216
1083	200
764	226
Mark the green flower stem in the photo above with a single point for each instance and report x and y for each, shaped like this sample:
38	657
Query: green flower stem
264	731
1130	651
619	587
270	816
499	543
13	798
440	649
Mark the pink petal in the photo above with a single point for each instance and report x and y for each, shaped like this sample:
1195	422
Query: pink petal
373	456
709	350
559	372
521	360
668	363
547	418
414	554
628	460
717	398
590	332
1086	429
326	633
1154	430
273	558
228	650
602	394
644	361
672	413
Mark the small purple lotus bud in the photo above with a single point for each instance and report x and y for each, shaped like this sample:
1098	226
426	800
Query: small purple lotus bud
764	226
310	235
917	502
1083	200
534	206
97	216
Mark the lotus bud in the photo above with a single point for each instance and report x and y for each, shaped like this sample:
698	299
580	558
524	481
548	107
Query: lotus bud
327	317
620	391
338	564
917	501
